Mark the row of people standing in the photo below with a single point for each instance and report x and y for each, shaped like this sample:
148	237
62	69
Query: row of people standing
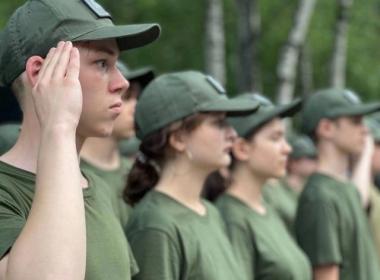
57	223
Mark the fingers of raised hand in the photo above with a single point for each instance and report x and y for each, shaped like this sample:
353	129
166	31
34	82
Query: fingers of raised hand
74	65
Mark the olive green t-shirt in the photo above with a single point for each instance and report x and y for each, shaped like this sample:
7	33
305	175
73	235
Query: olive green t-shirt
284	201
374	217
265	247
116	180
170	241
108	253
332	228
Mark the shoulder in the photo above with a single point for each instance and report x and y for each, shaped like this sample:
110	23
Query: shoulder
151	214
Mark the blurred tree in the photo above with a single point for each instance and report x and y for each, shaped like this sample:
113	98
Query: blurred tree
287	65
182	42
339	53
214	48
248	70
305	70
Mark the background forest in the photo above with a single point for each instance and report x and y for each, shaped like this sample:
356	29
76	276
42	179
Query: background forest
282	48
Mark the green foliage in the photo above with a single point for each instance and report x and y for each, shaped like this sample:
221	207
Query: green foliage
181	45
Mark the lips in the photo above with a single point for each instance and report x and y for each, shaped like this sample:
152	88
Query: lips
116	107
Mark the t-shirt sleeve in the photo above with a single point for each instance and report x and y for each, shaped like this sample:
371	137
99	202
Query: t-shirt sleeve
317	232
156	254
11	223
242	244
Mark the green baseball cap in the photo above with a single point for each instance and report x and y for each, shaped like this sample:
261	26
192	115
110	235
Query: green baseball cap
129	147
143	75
330	104
374	128
8	136
302	147
172	97
267	111
39	25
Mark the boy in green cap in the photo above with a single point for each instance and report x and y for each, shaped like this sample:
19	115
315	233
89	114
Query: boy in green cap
59	58
331	225
283	194
101	155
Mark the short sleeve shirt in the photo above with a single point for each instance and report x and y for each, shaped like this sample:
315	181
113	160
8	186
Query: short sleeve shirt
171	241
284	200
108	253
116	179
331	227
262	242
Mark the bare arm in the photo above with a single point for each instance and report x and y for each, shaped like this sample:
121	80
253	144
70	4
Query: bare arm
326	272
361	173
52	244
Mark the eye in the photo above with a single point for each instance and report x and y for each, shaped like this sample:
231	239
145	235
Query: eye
102	64
221	123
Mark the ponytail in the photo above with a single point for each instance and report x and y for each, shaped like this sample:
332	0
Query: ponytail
154	151
145	171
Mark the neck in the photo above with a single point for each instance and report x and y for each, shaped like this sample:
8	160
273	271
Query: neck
333	162
24	154
183	180
247	186
295	182
101	152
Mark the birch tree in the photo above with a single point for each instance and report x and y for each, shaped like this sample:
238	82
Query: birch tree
215	64
287	66
248	68
338	60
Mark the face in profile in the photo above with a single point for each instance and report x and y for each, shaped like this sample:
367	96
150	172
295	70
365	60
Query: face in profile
268	150
349	134
209	144
124	123
102	87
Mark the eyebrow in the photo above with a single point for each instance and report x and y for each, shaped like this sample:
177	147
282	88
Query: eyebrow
105	49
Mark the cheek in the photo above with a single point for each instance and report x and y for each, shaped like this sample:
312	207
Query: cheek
267	159
376	160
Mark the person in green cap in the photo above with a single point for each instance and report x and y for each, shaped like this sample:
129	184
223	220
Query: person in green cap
331	225
101	155
174	233
59	58
258	236
283	194
374	196
8	136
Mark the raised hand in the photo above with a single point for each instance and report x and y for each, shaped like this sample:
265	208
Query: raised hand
57	93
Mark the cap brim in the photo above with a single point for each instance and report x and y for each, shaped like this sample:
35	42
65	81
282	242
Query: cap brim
358	110
139	73
288	110
127	36
232	107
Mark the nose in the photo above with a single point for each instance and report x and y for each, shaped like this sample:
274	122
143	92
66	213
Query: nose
287	148
118	84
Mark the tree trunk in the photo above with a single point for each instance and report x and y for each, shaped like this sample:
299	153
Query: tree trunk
287	66
215	41
248	69
338	60
306	71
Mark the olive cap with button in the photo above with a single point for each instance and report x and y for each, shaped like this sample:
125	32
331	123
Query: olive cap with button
174	96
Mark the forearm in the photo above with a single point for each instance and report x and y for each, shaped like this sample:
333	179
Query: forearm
361	177
53	242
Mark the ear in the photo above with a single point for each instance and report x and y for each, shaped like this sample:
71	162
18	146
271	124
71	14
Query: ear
177	141
33	67
240	149
325	128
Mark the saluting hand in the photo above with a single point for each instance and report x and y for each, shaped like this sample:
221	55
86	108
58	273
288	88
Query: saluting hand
57	93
